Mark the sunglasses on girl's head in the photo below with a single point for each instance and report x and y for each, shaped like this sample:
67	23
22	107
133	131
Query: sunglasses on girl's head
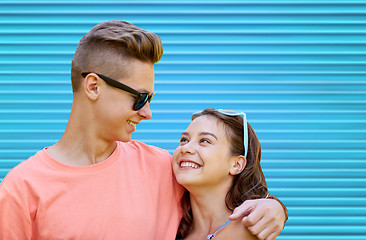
245	125
141	98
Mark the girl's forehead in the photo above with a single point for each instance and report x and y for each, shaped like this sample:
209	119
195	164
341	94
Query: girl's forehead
206	123
204	120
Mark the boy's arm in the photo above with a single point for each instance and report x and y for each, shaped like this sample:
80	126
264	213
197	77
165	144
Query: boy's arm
14	222
264	218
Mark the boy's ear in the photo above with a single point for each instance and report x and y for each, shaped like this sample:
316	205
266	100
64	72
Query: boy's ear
239	163
91	84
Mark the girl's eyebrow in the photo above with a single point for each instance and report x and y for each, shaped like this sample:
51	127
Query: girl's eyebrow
201	133
208	133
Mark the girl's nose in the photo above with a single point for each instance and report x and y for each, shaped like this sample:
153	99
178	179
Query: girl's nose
187	149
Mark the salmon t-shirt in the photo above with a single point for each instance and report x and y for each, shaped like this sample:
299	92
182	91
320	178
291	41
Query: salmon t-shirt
131	195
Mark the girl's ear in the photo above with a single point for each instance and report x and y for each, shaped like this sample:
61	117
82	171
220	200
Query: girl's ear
239	163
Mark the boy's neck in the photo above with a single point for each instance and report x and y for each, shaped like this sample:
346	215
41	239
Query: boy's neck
80	145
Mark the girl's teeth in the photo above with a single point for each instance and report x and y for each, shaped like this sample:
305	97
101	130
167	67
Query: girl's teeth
189	164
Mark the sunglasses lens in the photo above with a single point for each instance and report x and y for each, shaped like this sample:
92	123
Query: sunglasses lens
141	101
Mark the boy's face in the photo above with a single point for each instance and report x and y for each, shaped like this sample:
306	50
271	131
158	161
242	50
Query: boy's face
115	108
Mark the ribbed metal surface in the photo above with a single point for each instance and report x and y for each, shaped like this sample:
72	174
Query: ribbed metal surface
298	68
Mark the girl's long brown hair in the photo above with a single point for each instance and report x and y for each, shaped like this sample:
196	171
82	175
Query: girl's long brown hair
249	184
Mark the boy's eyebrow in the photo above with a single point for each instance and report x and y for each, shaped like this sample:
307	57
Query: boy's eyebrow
201	133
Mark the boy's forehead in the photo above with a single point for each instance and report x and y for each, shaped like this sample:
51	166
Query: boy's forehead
141	76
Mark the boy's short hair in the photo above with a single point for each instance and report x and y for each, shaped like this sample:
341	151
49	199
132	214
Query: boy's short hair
110	46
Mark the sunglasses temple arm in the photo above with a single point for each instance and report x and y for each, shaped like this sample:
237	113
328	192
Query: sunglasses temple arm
245	132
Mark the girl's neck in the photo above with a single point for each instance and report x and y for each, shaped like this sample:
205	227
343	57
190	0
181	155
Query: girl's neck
209	213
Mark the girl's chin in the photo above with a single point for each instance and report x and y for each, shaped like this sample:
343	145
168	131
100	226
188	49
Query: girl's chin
186	180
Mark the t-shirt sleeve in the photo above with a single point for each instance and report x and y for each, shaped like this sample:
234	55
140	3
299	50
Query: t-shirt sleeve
15	223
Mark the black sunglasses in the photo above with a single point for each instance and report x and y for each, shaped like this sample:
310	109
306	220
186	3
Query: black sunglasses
142	98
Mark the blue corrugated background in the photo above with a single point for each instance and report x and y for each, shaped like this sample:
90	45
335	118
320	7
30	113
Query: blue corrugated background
296	67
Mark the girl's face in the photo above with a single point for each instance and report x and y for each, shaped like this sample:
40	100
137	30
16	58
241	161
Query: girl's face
203	157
